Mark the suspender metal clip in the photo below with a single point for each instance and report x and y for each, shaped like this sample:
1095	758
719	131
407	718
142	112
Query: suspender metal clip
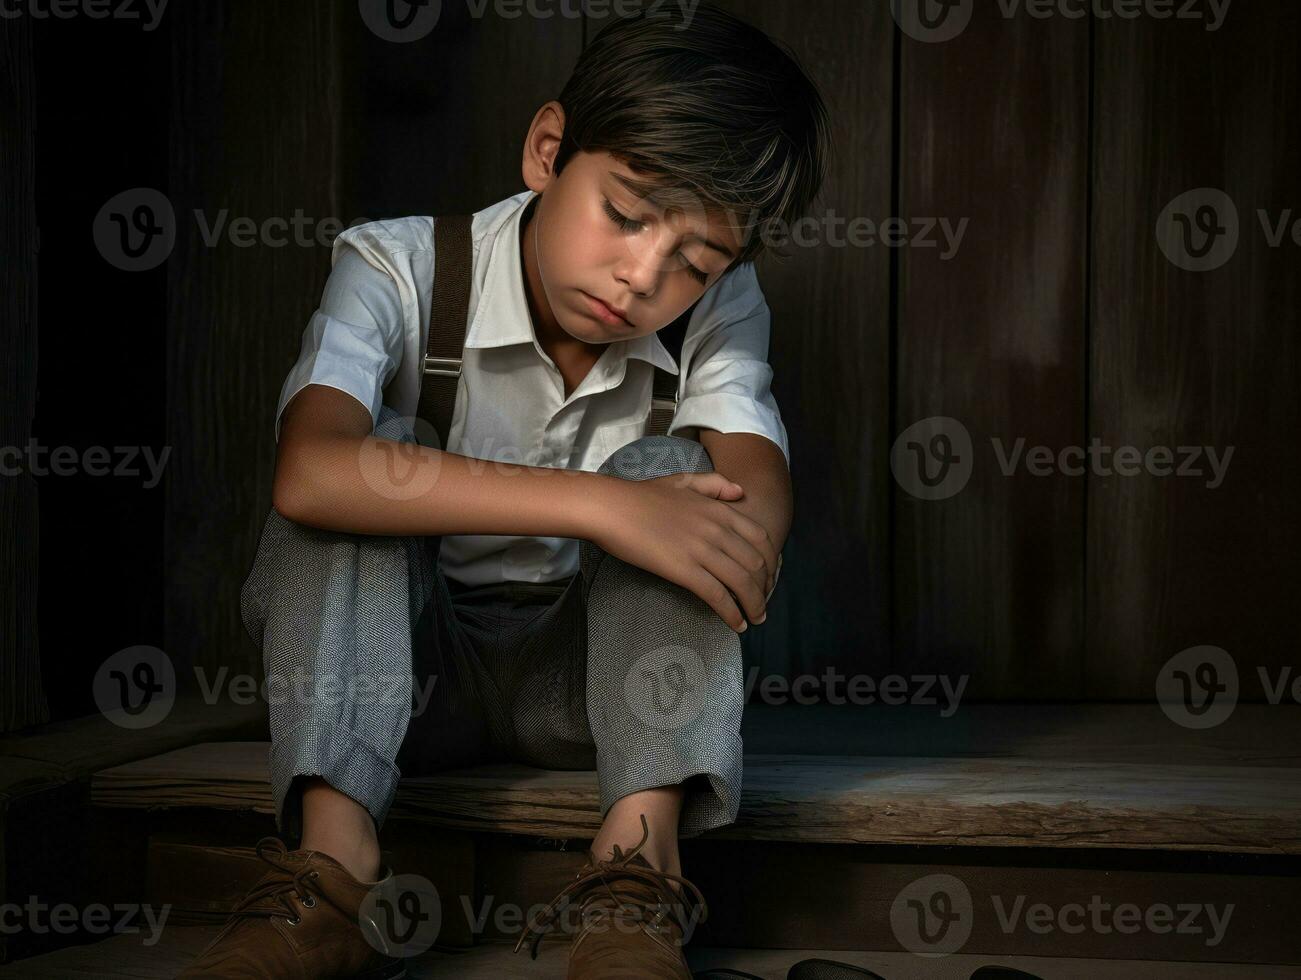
447	367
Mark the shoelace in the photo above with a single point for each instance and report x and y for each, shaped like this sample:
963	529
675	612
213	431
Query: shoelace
273	897
599	874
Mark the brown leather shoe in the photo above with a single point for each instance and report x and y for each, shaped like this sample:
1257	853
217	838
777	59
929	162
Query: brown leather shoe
632	923
301	920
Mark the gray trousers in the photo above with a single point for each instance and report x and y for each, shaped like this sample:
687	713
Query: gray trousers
378	665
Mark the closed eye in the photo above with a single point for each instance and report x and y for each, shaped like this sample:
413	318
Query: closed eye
620	219
628	225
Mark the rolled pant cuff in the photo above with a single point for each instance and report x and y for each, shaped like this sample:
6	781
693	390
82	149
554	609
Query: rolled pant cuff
706	804
319	747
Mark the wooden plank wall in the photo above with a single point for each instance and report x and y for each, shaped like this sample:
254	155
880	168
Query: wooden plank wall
255	134
991	338
1058	320
831	361
359	128
22	696
1196	358
436	125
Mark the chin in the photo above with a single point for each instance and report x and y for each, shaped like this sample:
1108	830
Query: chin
588	331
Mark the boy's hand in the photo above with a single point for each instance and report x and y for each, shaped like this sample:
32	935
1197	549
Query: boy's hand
682	528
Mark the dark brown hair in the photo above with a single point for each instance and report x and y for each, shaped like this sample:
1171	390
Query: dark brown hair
707	110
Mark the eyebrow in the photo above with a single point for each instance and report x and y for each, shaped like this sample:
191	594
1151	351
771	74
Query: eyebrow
648	191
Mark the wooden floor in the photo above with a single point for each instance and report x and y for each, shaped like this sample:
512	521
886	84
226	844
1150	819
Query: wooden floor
124	957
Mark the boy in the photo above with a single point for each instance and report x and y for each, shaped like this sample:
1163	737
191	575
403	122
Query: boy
603	575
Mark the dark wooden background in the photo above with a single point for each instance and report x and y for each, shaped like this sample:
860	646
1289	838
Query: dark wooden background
1058	321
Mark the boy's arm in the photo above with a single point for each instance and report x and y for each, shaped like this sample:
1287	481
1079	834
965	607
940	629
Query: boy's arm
728	387
333	473
759	466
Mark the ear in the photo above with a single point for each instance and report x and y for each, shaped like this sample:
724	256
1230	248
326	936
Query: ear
541	146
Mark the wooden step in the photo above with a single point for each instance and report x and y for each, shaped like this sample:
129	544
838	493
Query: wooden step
44	794
1162	789
1053	804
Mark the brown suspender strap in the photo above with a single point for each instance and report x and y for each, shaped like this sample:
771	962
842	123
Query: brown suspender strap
664	402
664	387
448	315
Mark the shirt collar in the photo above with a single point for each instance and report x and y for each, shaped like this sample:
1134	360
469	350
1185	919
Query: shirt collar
502	315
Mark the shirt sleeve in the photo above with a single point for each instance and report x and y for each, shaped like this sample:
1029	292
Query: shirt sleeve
725	354
353	341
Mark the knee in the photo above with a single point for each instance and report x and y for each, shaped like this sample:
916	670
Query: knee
654	456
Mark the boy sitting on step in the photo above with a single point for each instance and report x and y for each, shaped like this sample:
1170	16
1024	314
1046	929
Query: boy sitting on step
495	478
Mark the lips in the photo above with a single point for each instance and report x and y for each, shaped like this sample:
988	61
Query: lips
607	313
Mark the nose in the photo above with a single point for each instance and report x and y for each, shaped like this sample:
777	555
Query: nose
647	258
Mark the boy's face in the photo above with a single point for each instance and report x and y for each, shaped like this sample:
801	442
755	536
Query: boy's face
598	240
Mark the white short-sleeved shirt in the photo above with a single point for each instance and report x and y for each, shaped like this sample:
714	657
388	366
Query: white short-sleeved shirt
369	337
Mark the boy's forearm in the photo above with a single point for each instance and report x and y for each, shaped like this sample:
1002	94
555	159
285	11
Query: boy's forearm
378	486
759	466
